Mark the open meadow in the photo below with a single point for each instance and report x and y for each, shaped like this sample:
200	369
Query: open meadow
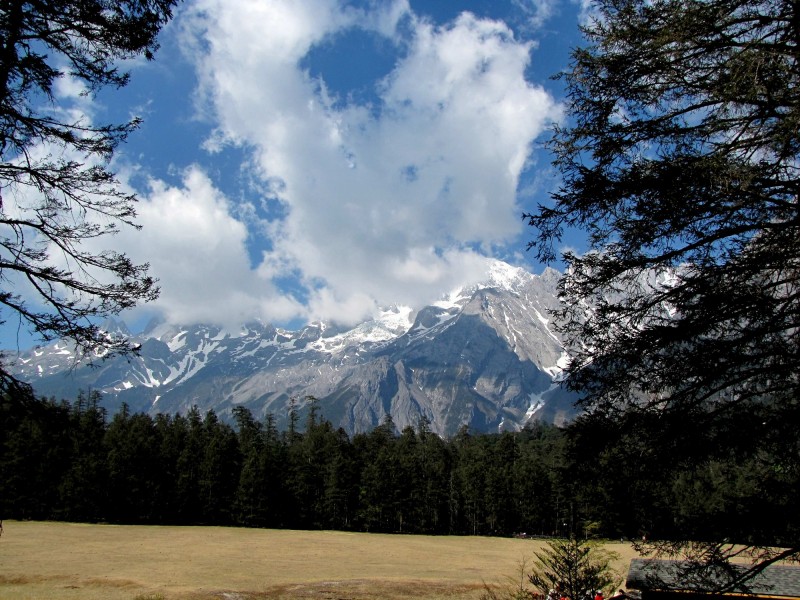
93	562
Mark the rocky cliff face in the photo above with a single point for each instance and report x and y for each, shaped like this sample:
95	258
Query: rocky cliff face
484	356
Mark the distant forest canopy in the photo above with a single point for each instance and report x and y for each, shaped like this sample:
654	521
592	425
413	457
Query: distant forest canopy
69	461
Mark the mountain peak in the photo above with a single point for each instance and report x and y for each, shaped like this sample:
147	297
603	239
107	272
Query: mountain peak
484	356
115	328
506	276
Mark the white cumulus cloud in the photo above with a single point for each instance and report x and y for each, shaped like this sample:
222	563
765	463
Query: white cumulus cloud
391	201
198	252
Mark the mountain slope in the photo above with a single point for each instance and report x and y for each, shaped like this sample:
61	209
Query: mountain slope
483	356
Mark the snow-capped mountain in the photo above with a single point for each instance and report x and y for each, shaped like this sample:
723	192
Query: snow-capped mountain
483	356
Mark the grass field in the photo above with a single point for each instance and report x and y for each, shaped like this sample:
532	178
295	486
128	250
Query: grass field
93	562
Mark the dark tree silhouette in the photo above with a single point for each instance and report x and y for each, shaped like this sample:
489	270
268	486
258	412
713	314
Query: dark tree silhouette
680	160
56	189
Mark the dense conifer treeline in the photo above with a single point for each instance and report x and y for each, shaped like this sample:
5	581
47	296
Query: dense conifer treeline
70	461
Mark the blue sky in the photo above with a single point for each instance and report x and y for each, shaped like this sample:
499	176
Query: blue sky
315	159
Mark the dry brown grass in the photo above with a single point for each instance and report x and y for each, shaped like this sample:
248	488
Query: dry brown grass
93	562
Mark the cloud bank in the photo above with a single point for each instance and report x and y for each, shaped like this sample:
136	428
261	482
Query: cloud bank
355	204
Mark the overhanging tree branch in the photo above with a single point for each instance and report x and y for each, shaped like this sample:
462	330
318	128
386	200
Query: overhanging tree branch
680	160
55	185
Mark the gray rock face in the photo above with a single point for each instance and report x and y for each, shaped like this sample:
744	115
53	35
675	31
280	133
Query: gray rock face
484	357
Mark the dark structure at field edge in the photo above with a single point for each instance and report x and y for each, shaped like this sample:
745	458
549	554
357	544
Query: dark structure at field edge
680	580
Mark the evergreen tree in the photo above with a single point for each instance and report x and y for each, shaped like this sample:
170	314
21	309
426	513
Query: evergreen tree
469	473
251	492
83	487
379	491
187	486
501	516
219	470
61	461
341	486
307	464
617	466
133	460
434	472
574	569
277	499
680	159
170	436
408	478
35	449
537	477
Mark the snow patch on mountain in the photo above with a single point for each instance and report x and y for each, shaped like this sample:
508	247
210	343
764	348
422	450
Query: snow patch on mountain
506	276
557	370
388	325
454	299
485	355
535	405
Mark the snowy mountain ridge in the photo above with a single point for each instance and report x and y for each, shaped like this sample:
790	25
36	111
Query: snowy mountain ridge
484	356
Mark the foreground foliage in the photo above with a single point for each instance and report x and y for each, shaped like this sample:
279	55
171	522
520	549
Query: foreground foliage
564	568
575	569
680	159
